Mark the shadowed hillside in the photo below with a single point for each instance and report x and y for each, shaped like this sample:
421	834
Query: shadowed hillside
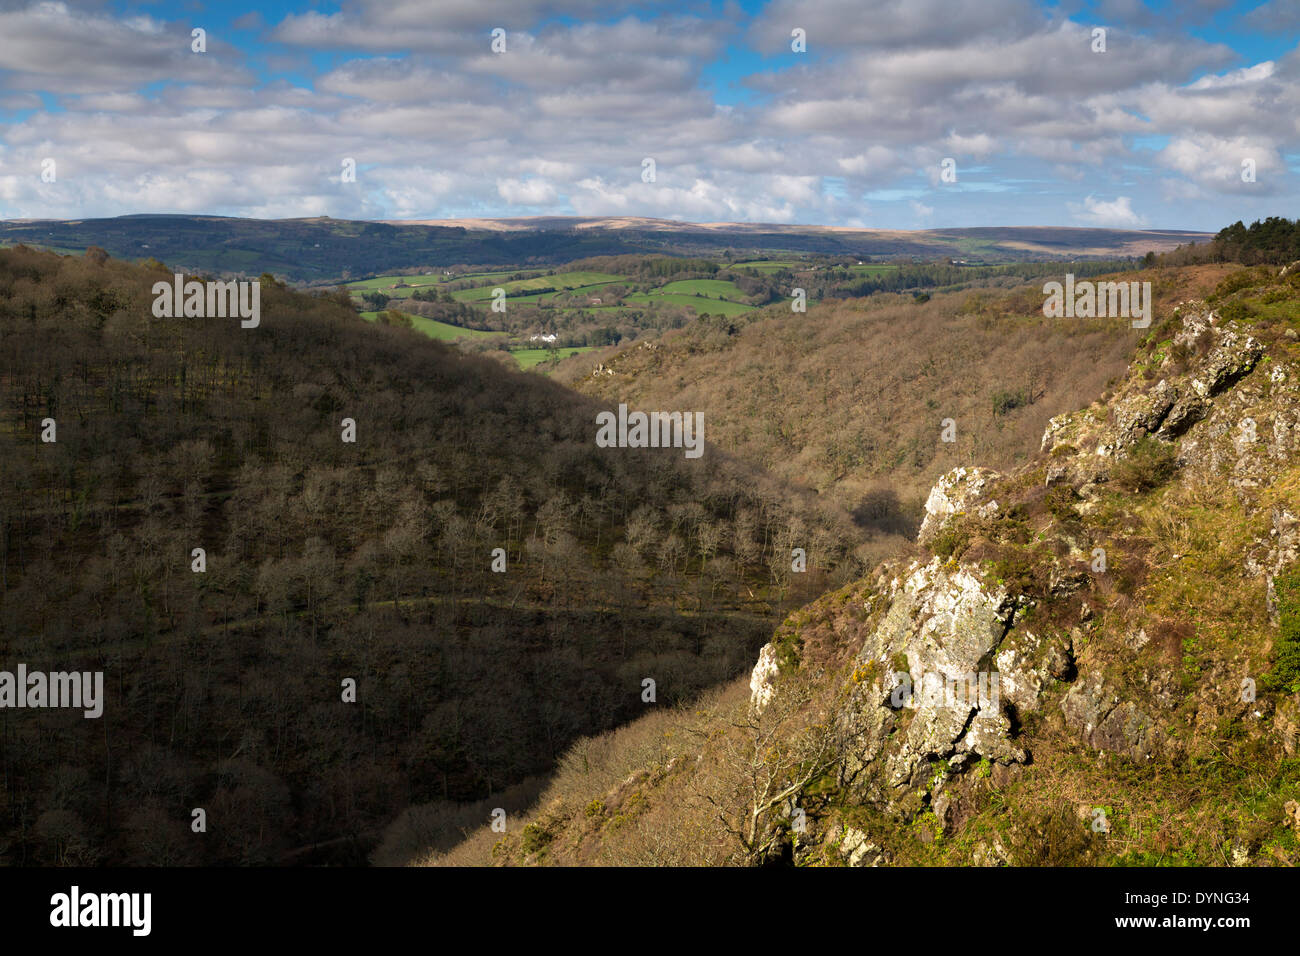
325	560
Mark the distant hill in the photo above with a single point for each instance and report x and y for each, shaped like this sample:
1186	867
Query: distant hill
323	249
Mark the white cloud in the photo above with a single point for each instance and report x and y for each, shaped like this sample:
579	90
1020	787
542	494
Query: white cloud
52	47
1217	163
1118	213
529	192
1252	74
440	126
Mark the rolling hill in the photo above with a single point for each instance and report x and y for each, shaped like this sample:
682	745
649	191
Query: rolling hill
324	249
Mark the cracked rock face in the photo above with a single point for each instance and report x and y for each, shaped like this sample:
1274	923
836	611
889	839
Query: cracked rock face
857	850
1027	665
1139	415
953	493
947	626
904	749
1233	356
1167	410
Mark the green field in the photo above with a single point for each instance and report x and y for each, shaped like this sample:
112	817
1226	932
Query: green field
525	358
700	304
528	358
435	329
386	283
713	288
548	296
872	269
560	280
703	296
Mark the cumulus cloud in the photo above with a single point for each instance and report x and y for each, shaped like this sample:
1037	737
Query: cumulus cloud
526	192
439	125
1218	163
57	48
1261	71
1117	213
890	24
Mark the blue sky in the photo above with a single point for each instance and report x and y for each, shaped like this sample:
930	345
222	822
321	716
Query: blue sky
1184	118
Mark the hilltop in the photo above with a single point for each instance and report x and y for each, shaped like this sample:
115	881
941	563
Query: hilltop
323	249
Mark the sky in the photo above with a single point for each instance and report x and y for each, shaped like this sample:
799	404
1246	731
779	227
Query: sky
881	114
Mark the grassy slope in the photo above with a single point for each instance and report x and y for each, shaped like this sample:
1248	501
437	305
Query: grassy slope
712	288
560	280
531	358
701	304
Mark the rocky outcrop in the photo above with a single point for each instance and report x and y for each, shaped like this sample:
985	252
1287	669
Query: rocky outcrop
954	670
954	494
762	679
1028	664
1167	410
1233	355
857	850
927	672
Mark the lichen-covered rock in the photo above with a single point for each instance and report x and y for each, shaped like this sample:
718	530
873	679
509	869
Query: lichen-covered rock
1233	356
1221	356
1188	409
953	493
990	854
1056	432
1027	664
942	619
931	654
1106	722
857	850
1233	421
1275	555
1139	415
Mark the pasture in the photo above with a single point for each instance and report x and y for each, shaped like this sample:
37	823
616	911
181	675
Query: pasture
700	304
